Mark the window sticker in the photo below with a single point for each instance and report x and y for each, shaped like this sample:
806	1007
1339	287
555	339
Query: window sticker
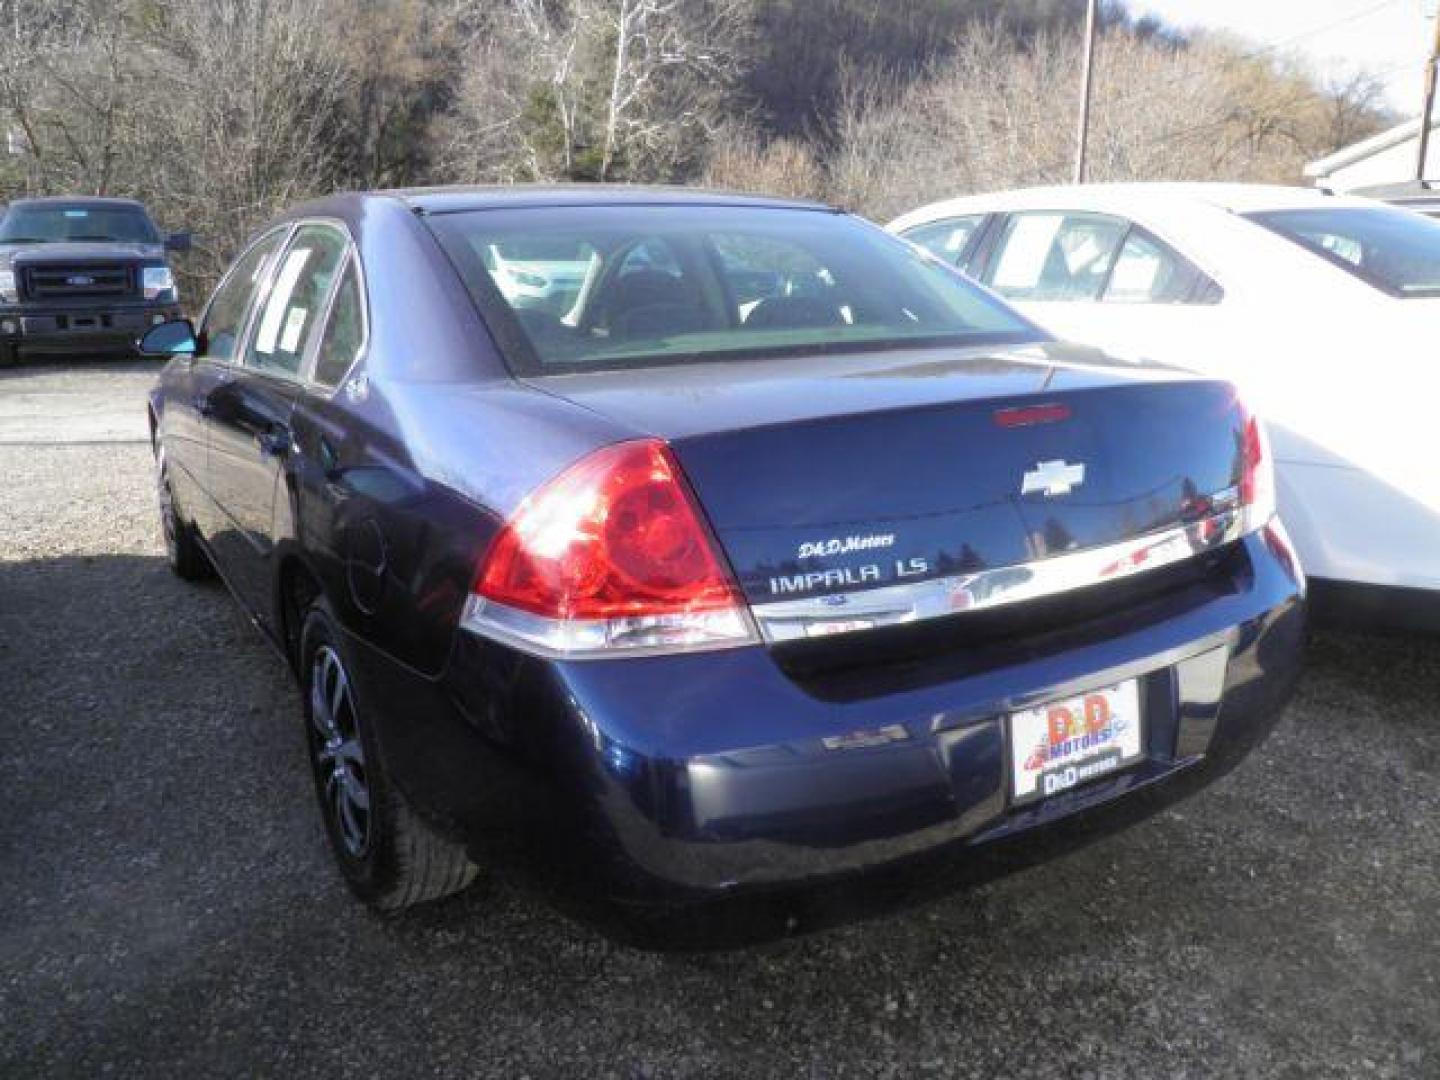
1026	250
294	324
280	300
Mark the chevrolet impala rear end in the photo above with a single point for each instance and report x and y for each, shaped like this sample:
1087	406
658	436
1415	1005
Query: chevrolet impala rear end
754	550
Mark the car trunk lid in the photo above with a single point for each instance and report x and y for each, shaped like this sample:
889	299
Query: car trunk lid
830	477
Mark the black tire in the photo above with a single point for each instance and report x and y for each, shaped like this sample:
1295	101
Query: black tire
9	355
187	558
390	858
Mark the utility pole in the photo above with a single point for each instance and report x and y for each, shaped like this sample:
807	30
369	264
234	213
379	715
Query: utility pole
1082	134
1430	63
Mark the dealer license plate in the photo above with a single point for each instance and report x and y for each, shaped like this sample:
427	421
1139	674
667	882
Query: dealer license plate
1065	743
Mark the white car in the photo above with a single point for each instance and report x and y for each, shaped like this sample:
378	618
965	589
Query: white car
1324	309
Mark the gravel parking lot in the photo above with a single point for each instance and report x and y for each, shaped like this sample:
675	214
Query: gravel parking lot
167	905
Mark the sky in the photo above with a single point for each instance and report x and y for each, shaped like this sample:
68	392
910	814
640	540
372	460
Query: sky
1383	36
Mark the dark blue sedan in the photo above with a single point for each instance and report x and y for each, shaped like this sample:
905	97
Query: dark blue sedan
705	544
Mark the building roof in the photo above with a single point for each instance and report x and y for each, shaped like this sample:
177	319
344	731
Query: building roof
1375	144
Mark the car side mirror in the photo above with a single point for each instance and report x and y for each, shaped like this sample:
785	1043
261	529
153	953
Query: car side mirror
177	241
167	339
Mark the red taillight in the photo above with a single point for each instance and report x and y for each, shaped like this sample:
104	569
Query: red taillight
613	552
1257	471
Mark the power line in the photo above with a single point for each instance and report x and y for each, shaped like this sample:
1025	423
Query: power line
1264	50
1344	20
1230	62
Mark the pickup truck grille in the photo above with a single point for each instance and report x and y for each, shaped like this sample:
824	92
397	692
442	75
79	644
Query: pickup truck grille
95	281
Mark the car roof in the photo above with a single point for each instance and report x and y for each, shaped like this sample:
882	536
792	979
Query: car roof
78	202
351	206
1128	197
437	200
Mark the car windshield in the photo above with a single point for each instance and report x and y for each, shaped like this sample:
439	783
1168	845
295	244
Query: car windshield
1393	250
586	288
57	224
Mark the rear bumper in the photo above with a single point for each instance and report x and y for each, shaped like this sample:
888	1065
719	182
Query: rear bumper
80	330
686	778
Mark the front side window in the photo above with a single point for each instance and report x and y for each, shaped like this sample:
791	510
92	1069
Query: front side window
946	239
1393	250
77	224
344	331
672	284
225	314
298	290
1051	256
1150	272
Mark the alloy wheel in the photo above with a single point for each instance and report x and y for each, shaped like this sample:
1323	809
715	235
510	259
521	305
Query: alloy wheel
169	527
338	752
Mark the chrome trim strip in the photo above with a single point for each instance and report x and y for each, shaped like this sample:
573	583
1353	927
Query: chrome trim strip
984	590
607	639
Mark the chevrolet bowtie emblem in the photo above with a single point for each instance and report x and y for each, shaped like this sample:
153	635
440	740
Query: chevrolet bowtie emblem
1052	478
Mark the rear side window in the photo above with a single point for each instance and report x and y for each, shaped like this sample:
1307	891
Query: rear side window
344	332
1393	250
225	314
1148	271
948	239
298	290
1046	256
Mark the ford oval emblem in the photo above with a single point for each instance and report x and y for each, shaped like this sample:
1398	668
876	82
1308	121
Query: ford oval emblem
79	280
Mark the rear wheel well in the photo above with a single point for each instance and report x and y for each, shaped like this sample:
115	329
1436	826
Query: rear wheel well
299	588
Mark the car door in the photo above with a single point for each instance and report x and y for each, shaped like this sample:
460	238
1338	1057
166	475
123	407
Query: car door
1104	280
251	439
191	385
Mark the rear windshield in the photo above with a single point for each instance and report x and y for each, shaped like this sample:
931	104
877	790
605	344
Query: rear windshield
55	224
585	288
1393	250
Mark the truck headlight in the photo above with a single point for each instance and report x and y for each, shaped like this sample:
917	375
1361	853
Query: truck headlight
159	283
9	291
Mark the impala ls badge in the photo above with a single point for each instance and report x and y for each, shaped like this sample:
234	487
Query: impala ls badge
1053	478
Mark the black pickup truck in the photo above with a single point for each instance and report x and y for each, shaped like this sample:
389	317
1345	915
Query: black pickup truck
82	277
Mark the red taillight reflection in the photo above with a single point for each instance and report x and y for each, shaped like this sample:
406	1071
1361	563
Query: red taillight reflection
1030	415
1253	452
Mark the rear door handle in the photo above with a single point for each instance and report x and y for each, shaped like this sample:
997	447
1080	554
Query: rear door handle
329	460
273	442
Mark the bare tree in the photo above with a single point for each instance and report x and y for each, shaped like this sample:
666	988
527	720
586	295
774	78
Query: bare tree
741	160
67	82
252	93
994	114
609	89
